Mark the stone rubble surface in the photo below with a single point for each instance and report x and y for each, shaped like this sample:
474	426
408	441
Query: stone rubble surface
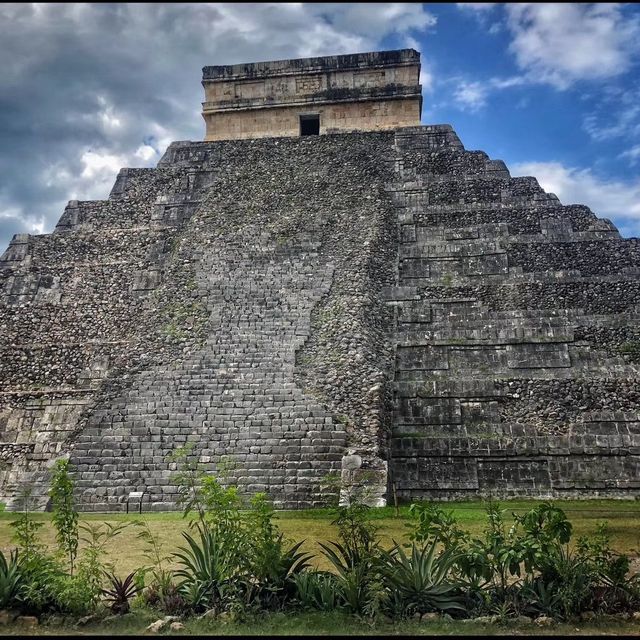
387	306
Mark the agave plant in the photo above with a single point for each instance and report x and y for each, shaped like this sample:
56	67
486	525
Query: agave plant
120	592
538	597
355	573
208	567
420	579
317	590
10	578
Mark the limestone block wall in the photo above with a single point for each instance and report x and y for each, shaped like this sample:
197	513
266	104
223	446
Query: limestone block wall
378	115
76	307
516	335
358	92
293	82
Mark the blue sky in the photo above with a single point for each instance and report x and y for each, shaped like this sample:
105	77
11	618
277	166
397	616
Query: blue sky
551	89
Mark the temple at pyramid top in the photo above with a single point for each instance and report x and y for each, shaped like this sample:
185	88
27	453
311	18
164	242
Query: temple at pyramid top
313	96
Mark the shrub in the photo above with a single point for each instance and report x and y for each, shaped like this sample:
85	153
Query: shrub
422	580
210	570
65	516
39	570
75	595
355	557
434	522
614	590
10	579
528	566
166	598
239	542
120	592
94	564
161	593
318	590
272	561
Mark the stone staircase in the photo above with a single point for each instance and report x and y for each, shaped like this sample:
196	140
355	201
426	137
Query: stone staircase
232	398
175	313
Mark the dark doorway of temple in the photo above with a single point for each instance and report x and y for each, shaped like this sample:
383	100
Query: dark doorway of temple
310	125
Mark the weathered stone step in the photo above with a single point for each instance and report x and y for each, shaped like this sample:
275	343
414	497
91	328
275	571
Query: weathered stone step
593	295
440	249
423	315
501	335
413	229
495	368
497	445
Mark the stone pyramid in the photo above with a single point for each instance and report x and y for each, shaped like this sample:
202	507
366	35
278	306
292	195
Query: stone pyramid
384	305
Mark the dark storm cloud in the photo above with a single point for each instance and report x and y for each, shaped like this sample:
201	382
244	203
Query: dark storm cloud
88	88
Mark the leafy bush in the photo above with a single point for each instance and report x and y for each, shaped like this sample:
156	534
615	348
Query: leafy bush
355	557
539	597
528	566
39	570
355	574
73	595
261	561
94	563
434	522
318	590
614	589
161	592
235	559
166	598
65	516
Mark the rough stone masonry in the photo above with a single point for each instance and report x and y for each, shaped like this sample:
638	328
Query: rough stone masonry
376	301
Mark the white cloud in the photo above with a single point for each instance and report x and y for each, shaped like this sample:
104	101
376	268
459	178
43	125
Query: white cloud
561	43
146	153
507	83
614	199
476	6
632	154
483	13
92	179
13	219
426	74
426	78
617	115
107	116
124	81
471	96
98	163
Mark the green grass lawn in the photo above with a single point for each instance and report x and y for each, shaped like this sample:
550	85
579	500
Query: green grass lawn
622	516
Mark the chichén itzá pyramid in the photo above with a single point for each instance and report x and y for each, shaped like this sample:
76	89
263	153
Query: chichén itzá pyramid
323	285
